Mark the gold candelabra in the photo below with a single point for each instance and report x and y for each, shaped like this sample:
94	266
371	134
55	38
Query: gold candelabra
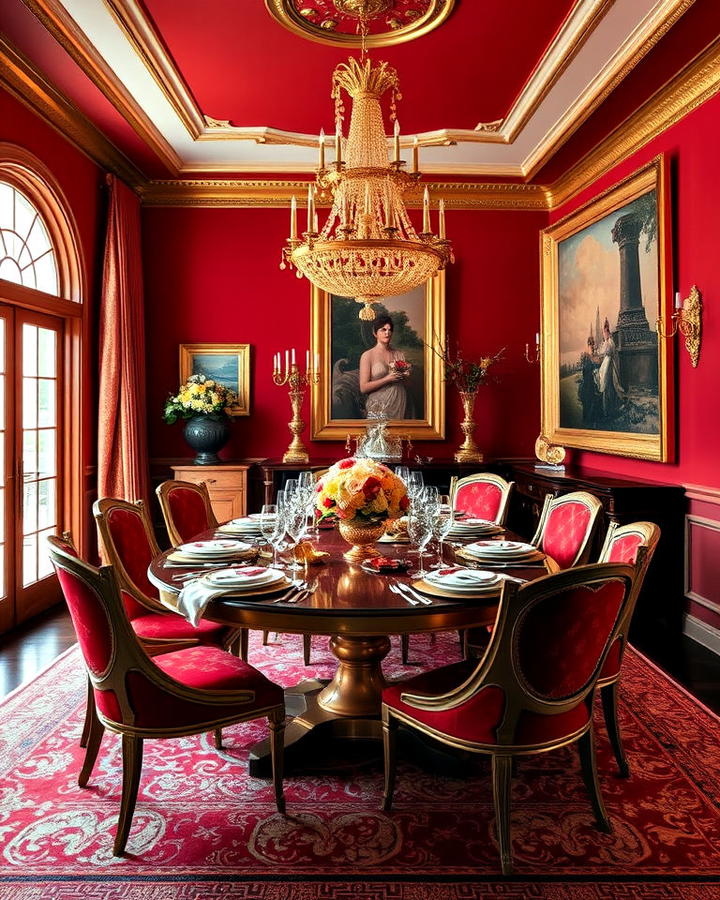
298	382
687	319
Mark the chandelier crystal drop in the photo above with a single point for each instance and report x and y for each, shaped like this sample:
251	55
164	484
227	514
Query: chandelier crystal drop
368	247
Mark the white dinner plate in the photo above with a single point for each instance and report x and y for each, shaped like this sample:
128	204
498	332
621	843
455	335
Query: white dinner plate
458	578
247	577
500	549
220	547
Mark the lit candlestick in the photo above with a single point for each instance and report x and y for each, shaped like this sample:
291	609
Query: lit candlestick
415	154
426	212
537	338
338	144
311	209
678	301
315	223
388	206
292	358
293	219
321	148
287	361
397	141
441	228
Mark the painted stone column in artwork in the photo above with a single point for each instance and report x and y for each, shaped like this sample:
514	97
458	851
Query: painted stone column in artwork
637	344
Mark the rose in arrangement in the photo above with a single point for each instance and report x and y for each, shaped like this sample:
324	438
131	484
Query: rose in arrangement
361	491
199	396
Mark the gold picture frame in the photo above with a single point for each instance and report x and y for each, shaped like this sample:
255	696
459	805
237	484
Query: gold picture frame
420	318
228	364
610	389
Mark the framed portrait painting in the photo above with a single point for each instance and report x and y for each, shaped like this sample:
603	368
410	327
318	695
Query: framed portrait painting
228	364
357	383
607	375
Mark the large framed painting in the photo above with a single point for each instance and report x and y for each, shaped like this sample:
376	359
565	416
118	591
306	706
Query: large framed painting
228	364
607	375
356	384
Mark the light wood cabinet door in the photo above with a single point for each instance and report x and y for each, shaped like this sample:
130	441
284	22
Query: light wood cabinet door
227	486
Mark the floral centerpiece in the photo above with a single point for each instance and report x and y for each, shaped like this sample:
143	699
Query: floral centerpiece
204	402
361	494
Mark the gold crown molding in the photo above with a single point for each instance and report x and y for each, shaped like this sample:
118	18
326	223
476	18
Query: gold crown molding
25	83
55	18
689	89
285	15
277	194
567	44
147	44
620	67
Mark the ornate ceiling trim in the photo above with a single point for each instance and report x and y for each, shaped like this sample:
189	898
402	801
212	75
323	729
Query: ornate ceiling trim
53	15
688	90
277	194
286	14
25	83
624	61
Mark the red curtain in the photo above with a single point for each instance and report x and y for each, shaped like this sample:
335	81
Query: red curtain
122	434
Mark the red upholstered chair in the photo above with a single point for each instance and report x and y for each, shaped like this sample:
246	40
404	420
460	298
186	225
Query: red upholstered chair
483	496
129	546
185	692
186	509
633	544
532	691
566	527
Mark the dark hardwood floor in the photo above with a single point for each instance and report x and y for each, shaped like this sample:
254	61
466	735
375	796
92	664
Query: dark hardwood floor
30	648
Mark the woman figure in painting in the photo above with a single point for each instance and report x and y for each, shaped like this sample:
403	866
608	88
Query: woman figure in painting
608	376
380	380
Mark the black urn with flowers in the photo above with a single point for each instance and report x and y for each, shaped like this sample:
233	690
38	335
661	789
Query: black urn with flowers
204	404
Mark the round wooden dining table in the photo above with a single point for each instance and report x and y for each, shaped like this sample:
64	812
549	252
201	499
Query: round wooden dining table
358	611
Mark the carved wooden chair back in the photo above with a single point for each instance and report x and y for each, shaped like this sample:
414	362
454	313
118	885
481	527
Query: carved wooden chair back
483	496
186	509
567	527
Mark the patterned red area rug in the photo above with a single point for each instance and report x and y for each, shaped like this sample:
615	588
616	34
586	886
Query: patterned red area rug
204	828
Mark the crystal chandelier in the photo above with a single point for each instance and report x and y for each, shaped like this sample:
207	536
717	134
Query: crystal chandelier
368	248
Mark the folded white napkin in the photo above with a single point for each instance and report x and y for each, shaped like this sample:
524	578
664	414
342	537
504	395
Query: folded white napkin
194	598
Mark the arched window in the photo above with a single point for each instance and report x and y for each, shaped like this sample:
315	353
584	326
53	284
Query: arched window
42	322
27	255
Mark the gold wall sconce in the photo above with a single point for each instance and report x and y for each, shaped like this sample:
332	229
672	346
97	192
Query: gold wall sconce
687	319
533	357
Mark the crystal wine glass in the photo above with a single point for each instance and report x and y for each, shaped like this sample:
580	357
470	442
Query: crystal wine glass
271	527
442	523
419	529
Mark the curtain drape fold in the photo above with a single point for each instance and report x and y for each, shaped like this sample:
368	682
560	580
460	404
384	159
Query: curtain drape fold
122	424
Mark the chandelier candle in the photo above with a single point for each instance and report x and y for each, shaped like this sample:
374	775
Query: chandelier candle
368	247
297	381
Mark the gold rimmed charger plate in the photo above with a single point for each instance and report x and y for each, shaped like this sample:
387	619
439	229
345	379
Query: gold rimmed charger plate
178	557
472	535
261	591
498	560
426	588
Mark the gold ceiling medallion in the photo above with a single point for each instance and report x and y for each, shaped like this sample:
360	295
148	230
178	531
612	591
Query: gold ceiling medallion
368	247
337	22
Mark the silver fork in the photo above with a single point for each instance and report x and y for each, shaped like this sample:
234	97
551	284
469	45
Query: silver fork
296	586
407	591
395	588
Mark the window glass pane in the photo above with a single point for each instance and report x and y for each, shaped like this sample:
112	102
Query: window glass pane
46	402
6	205
10	272
29	507
38	241
46	503
29	559
46	274
29	413
30	468
44	565
29	340
46	352
46	455
13	245
24	215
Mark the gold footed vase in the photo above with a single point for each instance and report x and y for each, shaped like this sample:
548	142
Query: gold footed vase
468	450
362	538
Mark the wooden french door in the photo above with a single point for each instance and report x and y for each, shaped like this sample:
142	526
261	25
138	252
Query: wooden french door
31	490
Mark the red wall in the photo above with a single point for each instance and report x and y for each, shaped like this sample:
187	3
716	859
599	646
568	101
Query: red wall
691	147
82	183
212	275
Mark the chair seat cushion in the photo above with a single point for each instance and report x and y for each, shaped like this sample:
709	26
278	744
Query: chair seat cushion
169	627
205	669
477	719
